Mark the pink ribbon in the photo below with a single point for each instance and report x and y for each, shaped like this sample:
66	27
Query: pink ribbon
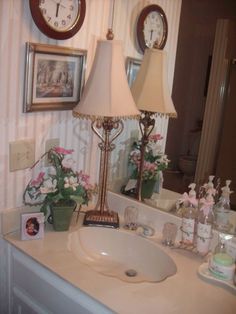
206	206
190	199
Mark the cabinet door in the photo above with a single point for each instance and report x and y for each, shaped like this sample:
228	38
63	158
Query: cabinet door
23	303
35	289
4	276
20	307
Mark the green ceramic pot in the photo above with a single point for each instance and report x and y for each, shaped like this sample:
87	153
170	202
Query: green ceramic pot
147	188
62	212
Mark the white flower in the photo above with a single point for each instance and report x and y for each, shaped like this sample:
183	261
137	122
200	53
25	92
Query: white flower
155	148
71	182
164	160
67	163
135	152
49	186
52	171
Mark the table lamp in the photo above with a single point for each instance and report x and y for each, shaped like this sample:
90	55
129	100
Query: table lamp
106	101
151	95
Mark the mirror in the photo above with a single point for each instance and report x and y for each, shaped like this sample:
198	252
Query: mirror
201	50
189	93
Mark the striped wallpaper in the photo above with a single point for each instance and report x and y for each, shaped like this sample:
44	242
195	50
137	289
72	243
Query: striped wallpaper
16	28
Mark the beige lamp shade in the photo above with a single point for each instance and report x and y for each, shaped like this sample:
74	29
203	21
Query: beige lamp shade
107	93
150	88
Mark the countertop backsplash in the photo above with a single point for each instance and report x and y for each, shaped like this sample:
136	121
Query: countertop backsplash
147	215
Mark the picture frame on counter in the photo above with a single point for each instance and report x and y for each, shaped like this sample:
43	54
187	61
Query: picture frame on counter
54	77
32	226
132	68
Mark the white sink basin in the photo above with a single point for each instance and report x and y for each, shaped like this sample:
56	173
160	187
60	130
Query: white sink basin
121	254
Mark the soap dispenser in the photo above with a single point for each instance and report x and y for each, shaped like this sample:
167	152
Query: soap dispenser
205	222
189	215
222	209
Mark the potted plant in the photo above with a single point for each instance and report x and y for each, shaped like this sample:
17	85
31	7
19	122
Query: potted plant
154	163
59	188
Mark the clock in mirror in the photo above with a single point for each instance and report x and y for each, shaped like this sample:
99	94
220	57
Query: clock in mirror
152	27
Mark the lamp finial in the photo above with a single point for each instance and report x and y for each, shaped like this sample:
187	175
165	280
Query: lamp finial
109	34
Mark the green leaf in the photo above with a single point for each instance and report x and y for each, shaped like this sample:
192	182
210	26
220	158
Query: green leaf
78	199
44	209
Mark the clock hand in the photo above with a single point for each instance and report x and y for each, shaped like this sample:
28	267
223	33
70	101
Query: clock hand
62	5
151	34
58	5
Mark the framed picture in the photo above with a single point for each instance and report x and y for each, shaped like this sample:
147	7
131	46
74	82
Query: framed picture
54	77
132	68
32	226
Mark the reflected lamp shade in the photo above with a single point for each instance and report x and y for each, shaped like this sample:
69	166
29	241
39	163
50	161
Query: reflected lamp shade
107	93
150	88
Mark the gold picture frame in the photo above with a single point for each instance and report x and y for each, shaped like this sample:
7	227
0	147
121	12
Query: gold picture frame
132	68
54	77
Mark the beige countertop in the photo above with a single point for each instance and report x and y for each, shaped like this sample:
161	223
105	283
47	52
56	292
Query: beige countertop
185	292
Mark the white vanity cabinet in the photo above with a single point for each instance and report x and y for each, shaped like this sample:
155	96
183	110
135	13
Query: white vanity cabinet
35	289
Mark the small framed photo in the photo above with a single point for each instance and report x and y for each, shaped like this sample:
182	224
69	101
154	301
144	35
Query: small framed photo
32	226
132	68
54	77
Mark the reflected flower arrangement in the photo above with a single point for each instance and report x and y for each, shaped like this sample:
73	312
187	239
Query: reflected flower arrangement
154	159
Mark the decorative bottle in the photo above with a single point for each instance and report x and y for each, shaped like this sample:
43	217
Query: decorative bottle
189	215
222	209
210	185
221	264
159	182
205	222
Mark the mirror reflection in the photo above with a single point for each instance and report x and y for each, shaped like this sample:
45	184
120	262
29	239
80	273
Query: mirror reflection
193	155
197	145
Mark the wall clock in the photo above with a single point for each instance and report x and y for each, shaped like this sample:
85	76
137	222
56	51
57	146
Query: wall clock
58	19
152	27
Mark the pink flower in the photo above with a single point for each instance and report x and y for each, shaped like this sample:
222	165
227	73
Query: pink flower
89	187
148	166
63	151
38	180
83	178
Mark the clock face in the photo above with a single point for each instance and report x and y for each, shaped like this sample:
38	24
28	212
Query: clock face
58	19
60	15
152	27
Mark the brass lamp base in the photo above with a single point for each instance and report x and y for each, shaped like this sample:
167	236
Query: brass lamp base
105	219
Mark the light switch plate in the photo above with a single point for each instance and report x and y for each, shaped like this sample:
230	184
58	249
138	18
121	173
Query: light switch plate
22	154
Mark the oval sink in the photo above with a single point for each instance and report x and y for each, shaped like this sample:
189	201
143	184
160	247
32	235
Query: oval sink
121	254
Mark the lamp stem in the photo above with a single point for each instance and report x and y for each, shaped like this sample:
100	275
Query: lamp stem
103	172
112	13
102	215
146	124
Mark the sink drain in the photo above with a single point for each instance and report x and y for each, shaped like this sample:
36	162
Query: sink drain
131	273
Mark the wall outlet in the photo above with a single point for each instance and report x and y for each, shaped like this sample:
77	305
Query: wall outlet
52	142
22	154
